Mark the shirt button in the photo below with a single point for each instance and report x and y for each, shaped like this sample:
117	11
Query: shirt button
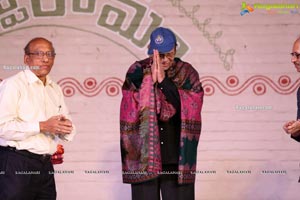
161	129
162	143
161	88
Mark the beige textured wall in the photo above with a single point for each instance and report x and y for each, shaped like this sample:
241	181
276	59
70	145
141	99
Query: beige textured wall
243	62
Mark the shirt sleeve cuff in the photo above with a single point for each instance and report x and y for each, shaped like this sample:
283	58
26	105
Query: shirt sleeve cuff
296	138
34	127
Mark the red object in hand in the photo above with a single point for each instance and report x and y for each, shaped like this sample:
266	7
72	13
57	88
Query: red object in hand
57	157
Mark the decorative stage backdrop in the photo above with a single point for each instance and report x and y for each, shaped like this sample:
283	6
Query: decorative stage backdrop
241	51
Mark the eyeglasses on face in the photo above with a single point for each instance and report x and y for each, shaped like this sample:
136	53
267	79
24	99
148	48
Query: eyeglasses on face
168	55
295	54
41	54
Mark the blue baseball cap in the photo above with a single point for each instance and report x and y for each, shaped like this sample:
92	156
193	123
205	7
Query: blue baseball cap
162	39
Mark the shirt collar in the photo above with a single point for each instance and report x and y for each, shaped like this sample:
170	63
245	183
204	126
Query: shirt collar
32	78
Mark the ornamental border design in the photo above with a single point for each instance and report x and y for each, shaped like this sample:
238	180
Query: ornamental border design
232	86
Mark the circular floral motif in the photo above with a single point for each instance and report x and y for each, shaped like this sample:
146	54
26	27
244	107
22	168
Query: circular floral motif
232	81
259	88
208	89
90	83
284	81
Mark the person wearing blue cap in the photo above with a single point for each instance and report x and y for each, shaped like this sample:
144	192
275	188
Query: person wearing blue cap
160	123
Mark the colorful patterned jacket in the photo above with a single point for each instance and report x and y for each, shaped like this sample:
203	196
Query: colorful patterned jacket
141	102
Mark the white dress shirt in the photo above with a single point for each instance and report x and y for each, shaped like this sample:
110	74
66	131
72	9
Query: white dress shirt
24	102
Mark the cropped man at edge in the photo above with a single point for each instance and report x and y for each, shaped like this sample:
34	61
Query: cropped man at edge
160	123
293	127
33	119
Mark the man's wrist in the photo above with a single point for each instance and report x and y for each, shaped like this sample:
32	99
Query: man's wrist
42	126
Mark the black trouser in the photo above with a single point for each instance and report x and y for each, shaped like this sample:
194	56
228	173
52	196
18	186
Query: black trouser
167	184
25	176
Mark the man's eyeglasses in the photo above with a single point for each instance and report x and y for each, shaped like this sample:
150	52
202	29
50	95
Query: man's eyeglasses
41	54
295	54
168	55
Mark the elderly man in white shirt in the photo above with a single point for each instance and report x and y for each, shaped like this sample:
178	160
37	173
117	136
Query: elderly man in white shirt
33	119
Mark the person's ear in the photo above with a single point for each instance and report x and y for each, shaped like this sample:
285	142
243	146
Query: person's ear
26	59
